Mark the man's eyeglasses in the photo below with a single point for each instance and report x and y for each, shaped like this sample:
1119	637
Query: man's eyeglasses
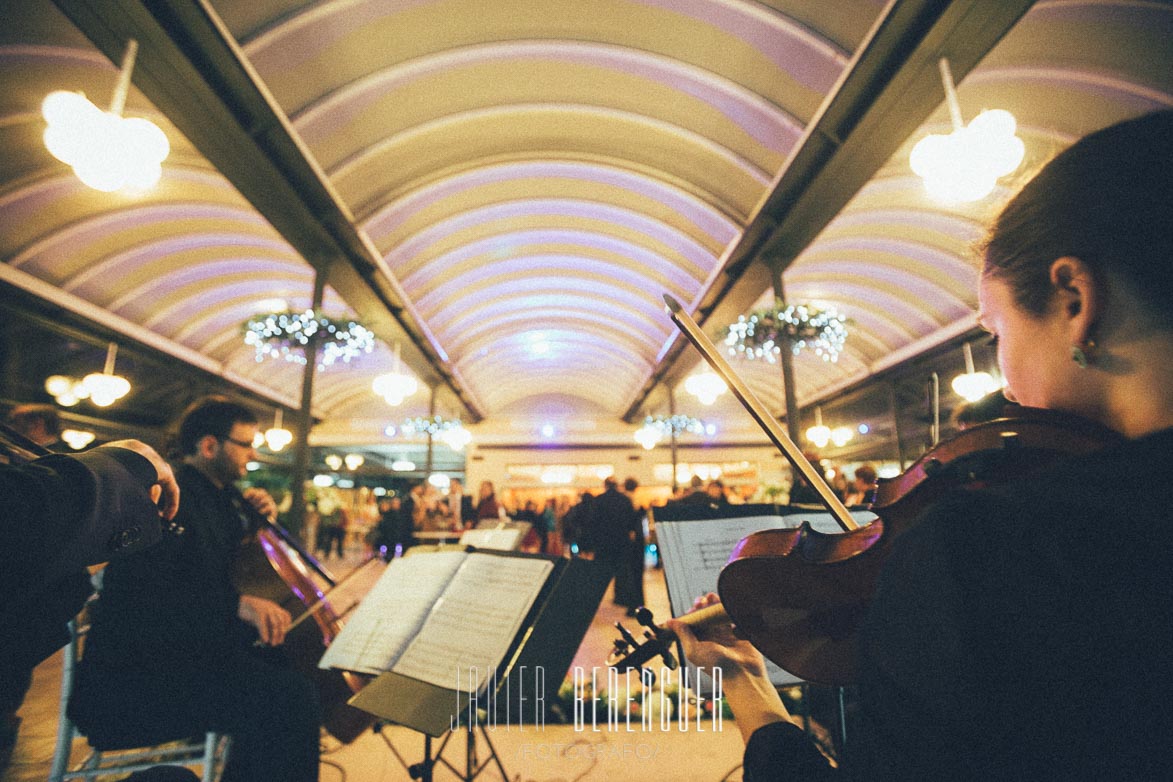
241	443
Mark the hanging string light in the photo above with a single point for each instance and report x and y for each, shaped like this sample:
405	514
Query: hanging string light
396	385
706	386
965	165
284	335
973	385
656	427
449	431
107	151
802	326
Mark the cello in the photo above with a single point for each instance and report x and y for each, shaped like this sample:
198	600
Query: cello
799	595
273	565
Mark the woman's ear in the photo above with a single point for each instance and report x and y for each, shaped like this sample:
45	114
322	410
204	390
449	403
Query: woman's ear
1079	296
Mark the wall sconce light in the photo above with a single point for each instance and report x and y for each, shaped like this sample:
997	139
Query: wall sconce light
353	461
333	461
107	151
819	434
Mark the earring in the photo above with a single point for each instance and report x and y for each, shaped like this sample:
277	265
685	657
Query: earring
1080	356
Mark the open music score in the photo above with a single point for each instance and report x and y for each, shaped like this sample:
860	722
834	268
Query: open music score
432	613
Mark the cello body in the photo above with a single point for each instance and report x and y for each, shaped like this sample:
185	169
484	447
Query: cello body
800	596
273	566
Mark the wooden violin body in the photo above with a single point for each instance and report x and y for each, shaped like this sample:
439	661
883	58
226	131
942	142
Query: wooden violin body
273	566
799	595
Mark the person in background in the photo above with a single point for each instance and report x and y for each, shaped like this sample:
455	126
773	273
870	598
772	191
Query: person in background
1022	631
395	534
39	423
695	493
460	508
863	483
611	530
175	650
487	505
629	577
715	492
987	408
549	521
801	492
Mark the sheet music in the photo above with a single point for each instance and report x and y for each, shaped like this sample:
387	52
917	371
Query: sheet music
507	539
694	552
392	612
476	618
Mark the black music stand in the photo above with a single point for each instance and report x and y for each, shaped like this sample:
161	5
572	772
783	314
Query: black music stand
548	639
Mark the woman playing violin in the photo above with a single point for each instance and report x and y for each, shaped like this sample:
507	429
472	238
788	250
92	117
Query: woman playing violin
1023	631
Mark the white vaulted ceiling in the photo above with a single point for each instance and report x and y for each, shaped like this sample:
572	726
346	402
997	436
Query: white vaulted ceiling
532	176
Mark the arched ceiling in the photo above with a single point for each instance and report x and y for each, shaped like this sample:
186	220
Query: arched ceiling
523	180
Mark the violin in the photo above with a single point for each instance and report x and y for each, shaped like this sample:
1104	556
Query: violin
273	565
799	595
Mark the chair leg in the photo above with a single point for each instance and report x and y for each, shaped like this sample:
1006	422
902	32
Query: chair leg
65	729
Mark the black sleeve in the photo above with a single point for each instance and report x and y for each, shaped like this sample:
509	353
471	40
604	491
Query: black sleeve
781	751
61	513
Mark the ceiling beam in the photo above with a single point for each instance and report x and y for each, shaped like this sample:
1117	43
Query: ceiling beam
191	69
890	87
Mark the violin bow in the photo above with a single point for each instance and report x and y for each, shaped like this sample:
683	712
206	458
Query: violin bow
754	406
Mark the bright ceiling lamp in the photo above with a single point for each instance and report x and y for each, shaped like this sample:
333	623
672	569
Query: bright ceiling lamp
354	461
396	385
277	438
77	438
965	165
647	436
819	434
973	385
705	386
107	151
105	388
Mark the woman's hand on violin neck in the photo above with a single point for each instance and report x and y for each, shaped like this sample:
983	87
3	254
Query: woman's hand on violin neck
716	645
271	620
747	689
261	501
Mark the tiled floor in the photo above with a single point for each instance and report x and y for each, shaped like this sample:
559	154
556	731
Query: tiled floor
554	753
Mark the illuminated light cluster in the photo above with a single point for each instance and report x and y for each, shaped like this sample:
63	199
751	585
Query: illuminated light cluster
284	335
107	152
656	427
965	165
706	387
802	326
102	388
451	432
